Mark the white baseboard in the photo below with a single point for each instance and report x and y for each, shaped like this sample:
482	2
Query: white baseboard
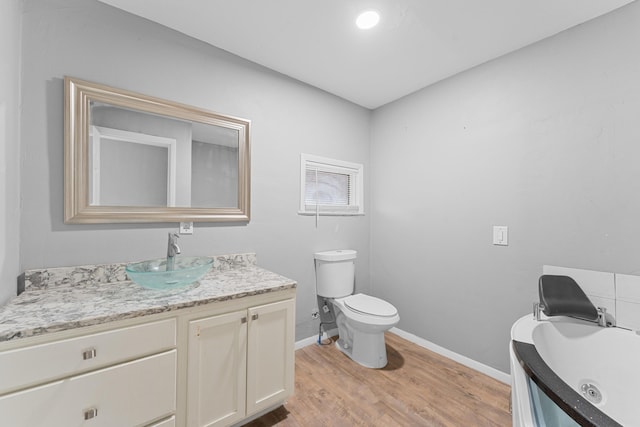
305	342
463	360
314	339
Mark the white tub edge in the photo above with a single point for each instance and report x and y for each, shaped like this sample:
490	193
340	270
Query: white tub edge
521	414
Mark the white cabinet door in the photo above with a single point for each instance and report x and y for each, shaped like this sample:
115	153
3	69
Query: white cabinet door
216	375
270	368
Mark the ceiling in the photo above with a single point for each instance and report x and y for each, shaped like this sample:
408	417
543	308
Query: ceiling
417	43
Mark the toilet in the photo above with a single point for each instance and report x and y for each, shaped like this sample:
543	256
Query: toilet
361	319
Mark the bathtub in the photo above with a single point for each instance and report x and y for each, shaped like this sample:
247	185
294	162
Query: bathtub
568	372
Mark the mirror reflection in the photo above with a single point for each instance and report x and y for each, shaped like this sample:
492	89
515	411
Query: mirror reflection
141	159
133	158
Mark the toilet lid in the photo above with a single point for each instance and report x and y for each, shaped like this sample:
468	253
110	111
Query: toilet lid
366	304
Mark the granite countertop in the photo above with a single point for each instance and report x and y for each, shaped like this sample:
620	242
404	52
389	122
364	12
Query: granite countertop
74	297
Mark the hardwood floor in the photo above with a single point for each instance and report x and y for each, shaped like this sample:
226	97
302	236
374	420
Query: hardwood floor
416	388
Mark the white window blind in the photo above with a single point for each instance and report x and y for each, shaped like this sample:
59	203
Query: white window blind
330	186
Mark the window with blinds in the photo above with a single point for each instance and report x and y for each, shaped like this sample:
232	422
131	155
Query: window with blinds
330	187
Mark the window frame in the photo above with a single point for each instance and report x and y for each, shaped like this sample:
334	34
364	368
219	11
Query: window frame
328	165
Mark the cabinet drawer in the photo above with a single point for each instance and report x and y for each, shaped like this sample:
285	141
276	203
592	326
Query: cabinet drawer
129	394
171	422
36	364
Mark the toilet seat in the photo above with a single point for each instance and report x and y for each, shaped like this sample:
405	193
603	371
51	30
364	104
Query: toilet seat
370	306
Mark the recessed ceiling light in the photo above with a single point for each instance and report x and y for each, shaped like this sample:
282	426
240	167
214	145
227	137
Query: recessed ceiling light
368	19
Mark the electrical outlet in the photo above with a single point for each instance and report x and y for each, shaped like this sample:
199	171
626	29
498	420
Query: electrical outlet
186	228
315	313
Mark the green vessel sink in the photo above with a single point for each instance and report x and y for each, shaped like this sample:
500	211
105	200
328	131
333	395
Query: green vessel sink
153	274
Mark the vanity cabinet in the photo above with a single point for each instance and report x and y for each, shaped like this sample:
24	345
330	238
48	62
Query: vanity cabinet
219	355
125	376
240	363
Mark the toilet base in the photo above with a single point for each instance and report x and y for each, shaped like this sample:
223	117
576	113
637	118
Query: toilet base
368	350
361	337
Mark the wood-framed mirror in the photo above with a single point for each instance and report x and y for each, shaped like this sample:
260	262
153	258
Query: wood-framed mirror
133	158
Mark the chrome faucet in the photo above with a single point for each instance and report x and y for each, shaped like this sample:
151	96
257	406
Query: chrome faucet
172	250
601	320
602	317
537	311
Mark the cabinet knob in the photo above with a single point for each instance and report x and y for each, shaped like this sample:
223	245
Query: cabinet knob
254	316
90	413
89	354
243	320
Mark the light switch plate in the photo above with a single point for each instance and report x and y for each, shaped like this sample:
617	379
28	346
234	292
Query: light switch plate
501	235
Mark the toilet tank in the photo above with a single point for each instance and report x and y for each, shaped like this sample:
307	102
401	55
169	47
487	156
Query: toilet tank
335	273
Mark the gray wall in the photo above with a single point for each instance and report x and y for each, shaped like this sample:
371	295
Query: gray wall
546	141
92	41
214	175
10	12
543	140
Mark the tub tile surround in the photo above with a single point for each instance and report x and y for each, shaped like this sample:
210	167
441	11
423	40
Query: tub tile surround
618	293
58	299
628	301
